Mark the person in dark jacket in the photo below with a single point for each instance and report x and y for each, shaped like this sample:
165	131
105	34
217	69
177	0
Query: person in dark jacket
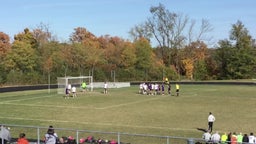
245	138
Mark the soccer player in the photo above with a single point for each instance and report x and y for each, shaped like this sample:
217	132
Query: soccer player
69	88
84	86
177	89
105	88
74	91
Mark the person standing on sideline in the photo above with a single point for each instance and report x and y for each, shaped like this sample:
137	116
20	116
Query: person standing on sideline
177	89
5	135
105	88
211	119
50	137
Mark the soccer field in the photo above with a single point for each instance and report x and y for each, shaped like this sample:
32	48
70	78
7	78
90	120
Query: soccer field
124	110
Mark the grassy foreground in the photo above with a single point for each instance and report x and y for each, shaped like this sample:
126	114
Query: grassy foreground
124	110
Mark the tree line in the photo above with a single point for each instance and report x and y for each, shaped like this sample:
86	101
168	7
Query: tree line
35	56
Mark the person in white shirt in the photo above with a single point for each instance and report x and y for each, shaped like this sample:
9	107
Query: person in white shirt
215	138
69	88
211	119
251	138
73	91
207	136
141	88
105	88
5	134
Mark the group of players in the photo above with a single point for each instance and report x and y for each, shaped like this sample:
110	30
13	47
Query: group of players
71	90
149	88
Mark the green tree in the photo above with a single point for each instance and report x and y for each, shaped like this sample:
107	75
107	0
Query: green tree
236	57
200	70
22	59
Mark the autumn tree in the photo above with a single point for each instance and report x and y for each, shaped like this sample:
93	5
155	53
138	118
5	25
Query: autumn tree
171	31
89	52
192	55
27	37
42	34
5	46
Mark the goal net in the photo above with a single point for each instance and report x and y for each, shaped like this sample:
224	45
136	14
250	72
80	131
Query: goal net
63	82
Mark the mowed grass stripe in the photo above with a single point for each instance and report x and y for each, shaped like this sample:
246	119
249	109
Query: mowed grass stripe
99	124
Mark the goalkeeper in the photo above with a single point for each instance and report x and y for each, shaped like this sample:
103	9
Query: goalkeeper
84	86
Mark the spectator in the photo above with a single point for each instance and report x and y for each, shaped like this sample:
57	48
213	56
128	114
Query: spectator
51	137
113	142
251	138
5	135
215	138
51	127
207	137
229	138
234	138
22	139
240	138
71	140
224	138
245	138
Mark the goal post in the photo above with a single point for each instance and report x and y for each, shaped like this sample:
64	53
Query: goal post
63	82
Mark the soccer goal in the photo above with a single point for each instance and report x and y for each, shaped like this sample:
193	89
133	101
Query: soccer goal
63	82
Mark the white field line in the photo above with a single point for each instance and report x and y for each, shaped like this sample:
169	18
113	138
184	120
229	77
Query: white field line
39	97
59	106
100	124
52	106
130	103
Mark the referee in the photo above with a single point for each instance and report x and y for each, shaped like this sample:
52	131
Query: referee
211	119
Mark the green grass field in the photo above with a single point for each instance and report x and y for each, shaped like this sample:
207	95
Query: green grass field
123	110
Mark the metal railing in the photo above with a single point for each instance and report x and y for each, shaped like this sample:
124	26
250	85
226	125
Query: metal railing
35	134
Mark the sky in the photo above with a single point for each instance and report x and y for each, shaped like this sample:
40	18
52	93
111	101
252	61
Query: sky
117	17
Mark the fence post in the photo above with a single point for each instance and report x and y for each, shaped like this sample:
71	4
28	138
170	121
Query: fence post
167	140
38	135
190	141
118	138
77	141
